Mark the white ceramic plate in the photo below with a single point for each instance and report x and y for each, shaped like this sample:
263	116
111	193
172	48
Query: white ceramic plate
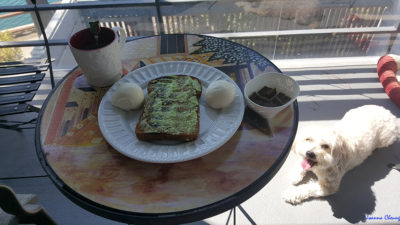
216	126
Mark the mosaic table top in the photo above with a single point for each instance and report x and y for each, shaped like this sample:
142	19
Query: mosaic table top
79	158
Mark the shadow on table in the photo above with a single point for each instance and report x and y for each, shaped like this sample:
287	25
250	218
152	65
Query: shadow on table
355	198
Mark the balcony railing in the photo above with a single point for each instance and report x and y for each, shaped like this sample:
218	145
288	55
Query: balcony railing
277	29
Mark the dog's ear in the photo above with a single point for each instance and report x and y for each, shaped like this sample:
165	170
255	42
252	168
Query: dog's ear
339	149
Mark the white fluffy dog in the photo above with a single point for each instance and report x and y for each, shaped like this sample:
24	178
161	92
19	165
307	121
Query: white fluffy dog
330	153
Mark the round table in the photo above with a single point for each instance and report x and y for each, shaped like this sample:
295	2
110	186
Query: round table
95	176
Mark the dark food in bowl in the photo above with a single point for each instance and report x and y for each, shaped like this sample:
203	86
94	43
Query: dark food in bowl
269	97
267	92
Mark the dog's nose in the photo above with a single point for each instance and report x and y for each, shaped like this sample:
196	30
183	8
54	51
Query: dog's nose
310	154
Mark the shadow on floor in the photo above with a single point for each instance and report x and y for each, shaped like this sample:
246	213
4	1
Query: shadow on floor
18	154
356	199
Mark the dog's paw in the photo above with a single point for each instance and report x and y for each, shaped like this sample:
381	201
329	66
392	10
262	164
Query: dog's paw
291	196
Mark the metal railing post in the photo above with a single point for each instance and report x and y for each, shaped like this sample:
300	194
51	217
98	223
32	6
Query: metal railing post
45	15
159	17
46	41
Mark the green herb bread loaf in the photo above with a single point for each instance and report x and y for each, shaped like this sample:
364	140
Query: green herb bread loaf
171	110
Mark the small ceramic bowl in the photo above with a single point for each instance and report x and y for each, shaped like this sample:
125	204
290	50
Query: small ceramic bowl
283	84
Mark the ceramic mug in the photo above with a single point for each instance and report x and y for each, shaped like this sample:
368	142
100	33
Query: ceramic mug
100	61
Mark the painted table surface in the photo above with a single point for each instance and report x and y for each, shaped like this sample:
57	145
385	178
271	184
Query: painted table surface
75	150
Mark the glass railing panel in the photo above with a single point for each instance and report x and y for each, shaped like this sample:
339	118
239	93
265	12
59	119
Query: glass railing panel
319	45
136	21
278	29
275	15
213	17
21	26
288	29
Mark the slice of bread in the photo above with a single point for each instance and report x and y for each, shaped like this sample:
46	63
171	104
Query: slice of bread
171	110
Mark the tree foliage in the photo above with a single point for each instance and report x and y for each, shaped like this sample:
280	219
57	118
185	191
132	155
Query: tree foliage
9	54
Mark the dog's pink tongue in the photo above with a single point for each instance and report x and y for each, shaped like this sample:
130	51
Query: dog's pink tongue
306	165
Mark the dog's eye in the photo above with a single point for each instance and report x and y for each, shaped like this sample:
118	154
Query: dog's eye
325	146
308	139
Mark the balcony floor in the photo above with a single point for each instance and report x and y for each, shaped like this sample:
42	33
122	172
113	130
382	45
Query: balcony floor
326	94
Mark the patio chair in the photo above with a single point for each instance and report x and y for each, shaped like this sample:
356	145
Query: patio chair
19	82
21	208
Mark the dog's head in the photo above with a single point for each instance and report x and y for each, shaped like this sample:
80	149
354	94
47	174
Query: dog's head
319	148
